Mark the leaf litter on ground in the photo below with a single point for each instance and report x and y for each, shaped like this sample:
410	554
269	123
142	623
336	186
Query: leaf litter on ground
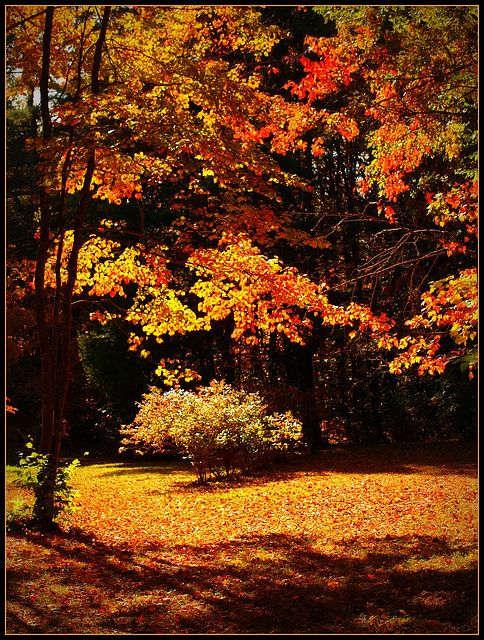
363	540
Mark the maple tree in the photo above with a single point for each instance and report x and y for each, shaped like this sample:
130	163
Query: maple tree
55	346
382	117
412	71
117	123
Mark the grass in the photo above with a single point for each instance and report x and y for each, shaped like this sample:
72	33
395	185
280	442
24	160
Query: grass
365	541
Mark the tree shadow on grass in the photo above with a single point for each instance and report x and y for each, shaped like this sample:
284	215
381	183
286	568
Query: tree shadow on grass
457	458
439	458
252	585
444	458
137	468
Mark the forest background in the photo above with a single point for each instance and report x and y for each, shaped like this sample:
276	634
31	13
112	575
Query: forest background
284	198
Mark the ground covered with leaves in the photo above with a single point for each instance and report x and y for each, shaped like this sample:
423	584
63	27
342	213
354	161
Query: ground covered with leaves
358	541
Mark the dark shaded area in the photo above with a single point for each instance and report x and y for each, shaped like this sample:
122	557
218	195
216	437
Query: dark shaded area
362	586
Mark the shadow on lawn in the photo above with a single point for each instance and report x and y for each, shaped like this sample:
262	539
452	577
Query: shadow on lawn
458	457
439	458
136	468
252	585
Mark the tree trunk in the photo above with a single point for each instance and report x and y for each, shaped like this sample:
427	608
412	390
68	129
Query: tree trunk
54	326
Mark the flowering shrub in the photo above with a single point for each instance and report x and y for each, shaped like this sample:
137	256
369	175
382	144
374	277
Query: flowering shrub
220	429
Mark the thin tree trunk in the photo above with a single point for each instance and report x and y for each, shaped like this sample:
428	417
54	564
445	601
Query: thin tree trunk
47	365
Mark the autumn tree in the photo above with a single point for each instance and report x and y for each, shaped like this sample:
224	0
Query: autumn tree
54	327
372	162
133	100
406	80
386	118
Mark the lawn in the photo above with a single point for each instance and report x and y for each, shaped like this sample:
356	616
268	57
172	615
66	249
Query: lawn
359	541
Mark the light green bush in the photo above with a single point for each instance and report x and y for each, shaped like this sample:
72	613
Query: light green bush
32	467
221	430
